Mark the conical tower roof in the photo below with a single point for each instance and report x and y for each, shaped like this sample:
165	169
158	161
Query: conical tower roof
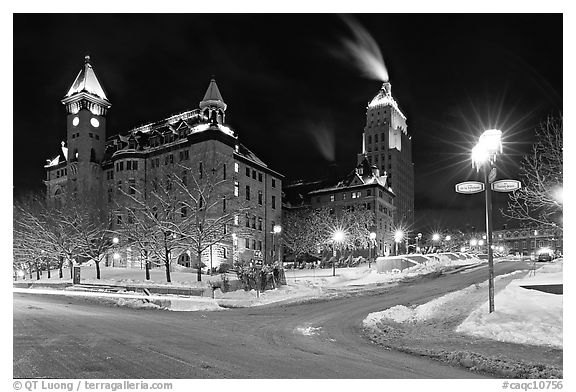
213	97
87	82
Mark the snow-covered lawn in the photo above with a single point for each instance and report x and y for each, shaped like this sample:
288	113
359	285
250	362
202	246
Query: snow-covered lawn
180	277
522	315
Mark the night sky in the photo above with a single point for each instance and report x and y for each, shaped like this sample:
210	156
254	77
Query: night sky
292	97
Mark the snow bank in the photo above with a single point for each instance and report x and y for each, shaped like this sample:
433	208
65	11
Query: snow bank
522	315
429	310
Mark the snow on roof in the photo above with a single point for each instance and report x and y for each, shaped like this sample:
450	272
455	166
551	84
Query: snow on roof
384	98
52	162
86	81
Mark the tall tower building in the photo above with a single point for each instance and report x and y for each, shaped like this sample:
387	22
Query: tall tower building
387	145
86	107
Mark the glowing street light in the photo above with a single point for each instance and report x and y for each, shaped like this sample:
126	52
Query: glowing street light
435	237
483	156
481	243
448	238
115	240
275	230
372	247
473	242
337	238
398	236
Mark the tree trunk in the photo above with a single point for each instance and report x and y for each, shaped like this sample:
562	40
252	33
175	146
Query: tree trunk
147	265
199	271
71	267
37	271
167	264
48	268
97	268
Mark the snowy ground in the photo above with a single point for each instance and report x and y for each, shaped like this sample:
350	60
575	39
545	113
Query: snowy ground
302	284
457	327
522	315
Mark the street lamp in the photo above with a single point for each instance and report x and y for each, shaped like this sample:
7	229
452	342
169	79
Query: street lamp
337	238
484	155
373	245
275	230
398	236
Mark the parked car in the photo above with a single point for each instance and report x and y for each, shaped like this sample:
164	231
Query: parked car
544	257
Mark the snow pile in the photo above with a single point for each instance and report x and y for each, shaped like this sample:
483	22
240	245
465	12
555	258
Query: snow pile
522	315
292	292
137	303
436	308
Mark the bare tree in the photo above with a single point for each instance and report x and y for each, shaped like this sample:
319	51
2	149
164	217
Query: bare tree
539	201
190	209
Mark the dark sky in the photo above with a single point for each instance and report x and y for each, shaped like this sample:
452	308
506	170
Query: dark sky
291	99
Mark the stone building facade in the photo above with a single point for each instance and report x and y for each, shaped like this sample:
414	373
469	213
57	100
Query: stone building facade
137	161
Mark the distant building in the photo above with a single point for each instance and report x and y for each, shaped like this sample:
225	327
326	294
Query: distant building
363	189
141	157
388	146
383	180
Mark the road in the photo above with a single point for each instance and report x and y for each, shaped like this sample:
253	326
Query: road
64	337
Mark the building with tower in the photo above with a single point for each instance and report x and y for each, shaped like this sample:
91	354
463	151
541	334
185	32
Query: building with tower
152	155
383	180
387	145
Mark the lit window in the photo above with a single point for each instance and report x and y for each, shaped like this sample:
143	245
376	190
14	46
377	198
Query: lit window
236	167
332	198
95	123
236	188
75	121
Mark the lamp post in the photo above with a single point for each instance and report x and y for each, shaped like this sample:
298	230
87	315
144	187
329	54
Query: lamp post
115	255
398	235
484	156
372	245
277	229
337	238
447	239
535	242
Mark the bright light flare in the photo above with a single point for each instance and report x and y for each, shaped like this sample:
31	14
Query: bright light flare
277	229
115	240
544	250
489	144
372	236
463	249
435	237
473	242
448	238
339	235
398	235
20	273
481	242
116	256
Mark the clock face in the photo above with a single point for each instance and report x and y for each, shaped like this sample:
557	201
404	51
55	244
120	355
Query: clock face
75	121
95	123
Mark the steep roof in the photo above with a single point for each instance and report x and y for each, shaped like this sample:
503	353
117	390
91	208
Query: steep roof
213	96
87	82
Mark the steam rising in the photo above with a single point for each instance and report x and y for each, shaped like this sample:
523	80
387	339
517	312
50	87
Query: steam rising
363	51
323	136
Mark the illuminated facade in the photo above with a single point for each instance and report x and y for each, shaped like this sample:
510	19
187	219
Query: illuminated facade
388	146
141	158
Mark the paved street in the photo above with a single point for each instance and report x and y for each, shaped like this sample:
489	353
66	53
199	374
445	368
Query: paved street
63	337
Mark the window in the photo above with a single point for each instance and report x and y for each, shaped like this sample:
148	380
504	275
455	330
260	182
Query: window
247	192
184	178
273	183
273	202
118	219
332	198
129	165
184	155
343	196
236	167
224	171
97	137
200	169
260	197
259	245
236	188
253	174
247	171
169	182
132	188
260	224
368	192
369	139
135	165
90	135
224	204
119	166
247	243
260	177
236	220
247	220
110	194
253	222
254	244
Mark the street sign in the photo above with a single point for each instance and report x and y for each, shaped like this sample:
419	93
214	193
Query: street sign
506	185
469	187
492	175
